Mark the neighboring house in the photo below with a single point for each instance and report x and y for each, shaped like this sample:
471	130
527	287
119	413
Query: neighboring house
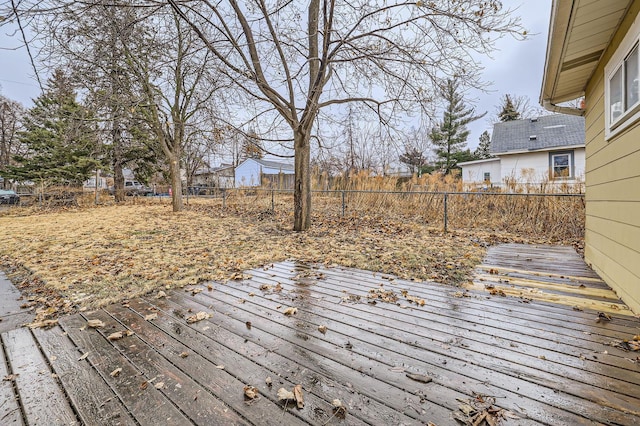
543	152
216	177
593	52
259	172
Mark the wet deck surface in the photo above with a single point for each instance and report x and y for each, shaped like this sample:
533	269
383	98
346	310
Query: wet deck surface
388	358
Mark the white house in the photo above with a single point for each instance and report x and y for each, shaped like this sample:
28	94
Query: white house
539	152
259	172
216	177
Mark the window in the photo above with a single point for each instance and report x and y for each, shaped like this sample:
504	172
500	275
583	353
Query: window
622	89
487	176
561	165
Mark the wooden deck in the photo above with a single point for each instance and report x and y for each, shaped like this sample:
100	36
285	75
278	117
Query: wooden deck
393	352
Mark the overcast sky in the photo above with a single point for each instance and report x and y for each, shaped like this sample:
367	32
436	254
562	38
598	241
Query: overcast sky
516	68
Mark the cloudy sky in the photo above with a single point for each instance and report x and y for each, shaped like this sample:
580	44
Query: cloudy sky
516	68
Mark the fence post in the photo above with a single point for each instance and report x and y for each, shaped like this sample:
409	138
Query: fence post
343	205
273	206
224	199
446	219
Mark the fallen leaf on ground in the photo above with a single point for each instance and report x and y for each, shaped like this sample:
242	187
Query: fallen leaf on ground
322	329
151	317
339	410
184	354
161	294
297	392
95	323
251	392
290	311
116	372
198	317
248	324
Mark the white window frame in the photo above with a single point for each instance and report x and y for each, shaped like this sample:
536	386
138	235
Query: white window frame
570	165
632	112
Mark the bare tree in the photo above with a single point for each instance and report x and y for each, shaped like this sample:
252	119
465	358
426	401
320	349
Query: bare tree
11	113
515	107
301	57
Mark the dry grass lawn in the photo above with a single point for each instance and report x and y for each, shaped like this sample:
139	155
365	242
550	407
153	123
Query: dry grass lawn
69	259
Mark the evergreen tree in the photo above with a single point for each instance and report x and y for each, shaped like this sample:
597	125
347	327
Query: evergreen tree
482	151
449	137
60	142
509	111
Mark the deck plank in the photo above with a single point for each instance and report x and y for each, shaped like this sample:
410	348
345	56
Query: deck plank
460	316
94	401
42	398
145	403
341	363
10	413
482	367
209	400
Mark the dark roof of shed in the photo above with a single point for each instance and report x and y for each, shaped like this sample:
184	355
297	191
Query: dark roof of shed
546	132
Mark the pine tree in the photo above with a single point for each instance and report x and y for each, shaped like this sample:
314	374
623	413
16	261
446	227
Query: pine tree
482	151
509	112
450	136
60	142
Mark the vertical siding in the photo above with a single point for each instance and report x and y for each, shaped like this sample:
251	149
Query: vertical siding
612	235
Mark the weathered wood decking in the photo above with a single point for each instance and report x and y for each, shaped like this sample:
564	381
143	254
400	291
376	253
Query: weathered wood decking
545	363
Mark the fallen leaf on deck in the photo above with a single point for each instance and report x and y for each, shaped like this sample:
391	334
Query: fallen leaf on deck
196	291
603	316
220	367
285	395
116	372
159	385
198	317
161	294
84	356
248	324
43	324
95	323
268	381
322	329
290	311
151	317
144	385
419	378
10	377
251	392
297	392
184	354
119	335
209	287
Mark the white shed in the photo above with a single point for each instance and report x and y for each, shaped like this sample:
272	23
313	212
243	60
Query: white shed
251	171
481	173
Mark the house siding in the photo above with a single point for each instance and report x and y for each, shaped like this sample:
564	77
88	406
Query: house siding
612	235
533	167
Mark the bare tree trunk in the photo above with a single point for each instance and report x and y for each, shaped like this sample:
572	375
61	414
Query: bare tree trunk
302	185
118	175
176	182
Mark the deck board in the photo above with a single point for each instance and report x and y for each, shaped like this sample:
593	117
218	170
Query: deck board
542	360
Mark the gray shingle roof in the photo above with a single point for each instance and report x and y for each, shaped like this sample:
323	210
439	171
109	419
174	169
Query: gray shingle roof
546	132
274	164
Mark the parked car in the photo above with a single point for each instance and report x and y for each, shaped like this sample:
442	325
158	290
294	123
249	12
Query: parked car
133	187
8	196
